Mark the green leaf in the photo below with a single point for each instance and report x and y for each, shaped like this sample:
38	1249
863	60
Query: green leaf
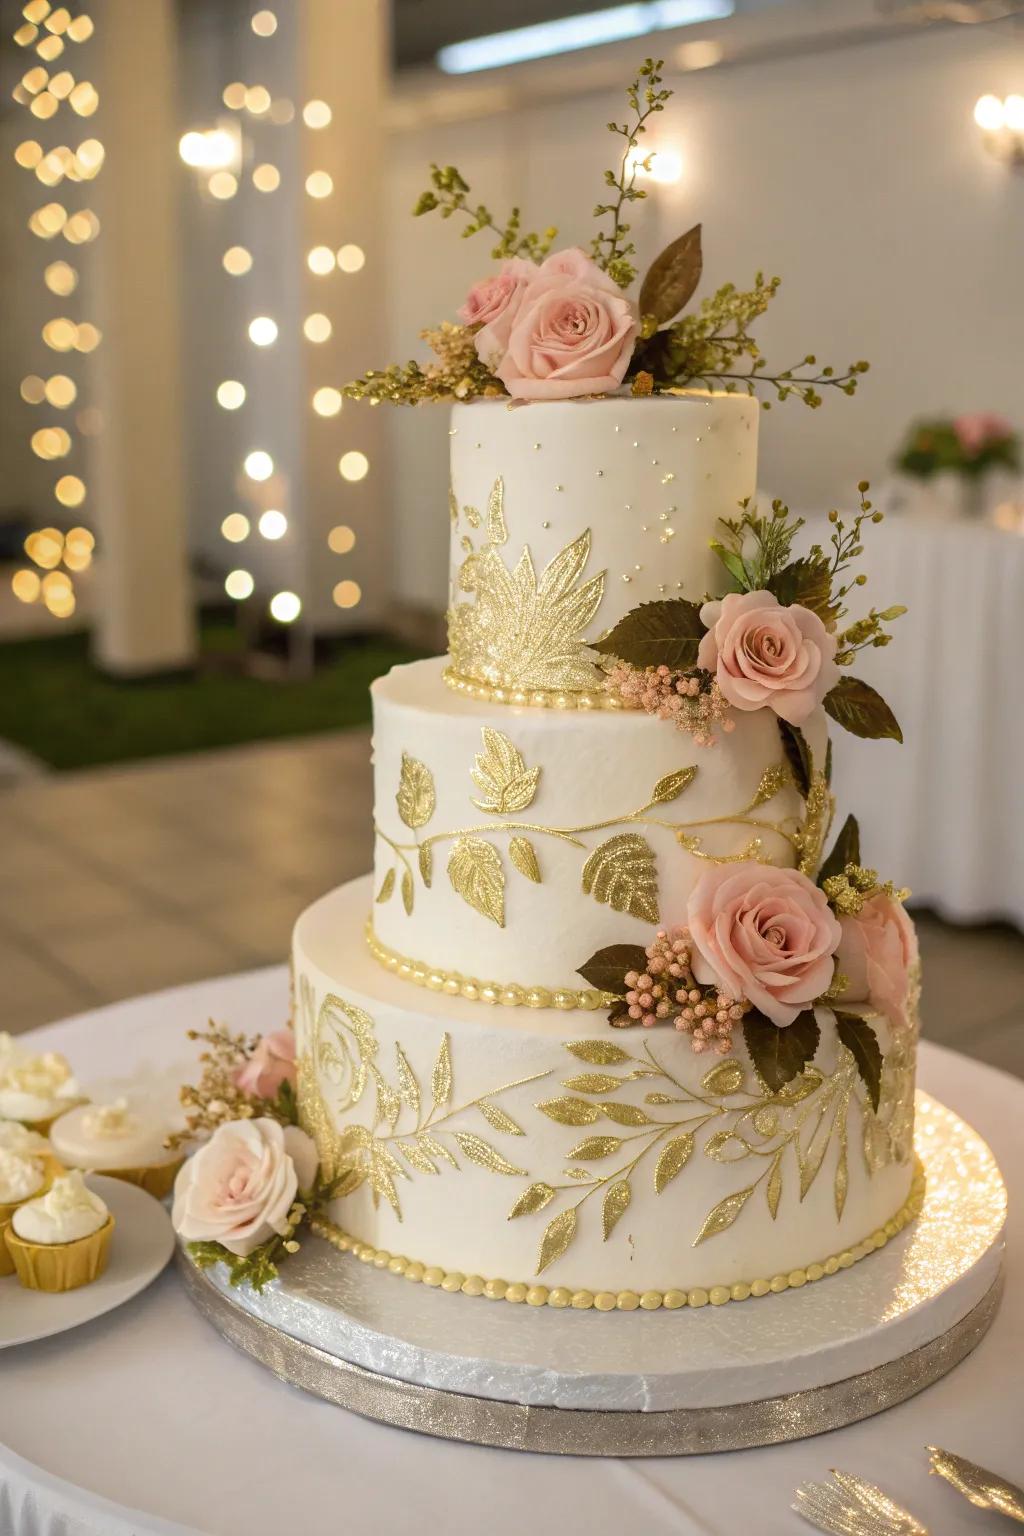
674	1158
798	755
606	970
809	583
862	1043
780	1052
598	1053
845	850
665	633
859	709
733	564
616	1202
672	277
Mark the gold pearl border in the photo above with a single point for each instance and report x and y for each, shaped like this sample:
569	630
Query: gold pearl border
620	1301
540	698
508	994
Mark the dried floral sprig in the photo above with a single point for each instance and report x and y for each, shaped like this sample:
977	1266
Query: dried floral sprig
217	1098
848	892
691	699
612	250
458	373
755	549
449	192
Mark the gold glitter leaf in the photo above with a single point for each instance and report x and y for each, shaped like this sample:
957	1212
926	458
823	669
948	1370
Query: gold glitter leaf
672	785
533	1199
773	1189
348	1182
521	852
436	1148
570	1111
497	529
727	1147
598	1053
484	1155
387	885
723	1215
506	784
725	1078
593	1147
672	278
441	1078
499	1120
622	873
416	1157
408	1087
416	797
842	1179
626	1114
674	1158
474	869
592	1082
615	1203
408	892
426	864
453	506
557	1237
772	781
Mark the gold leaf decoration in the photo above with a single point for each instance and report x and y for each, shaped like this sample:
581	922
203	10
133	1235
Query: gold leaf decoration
408	1087
622	873
474	869
672	785
592	1082
383	1184
417	1157
727	1147
615	1203
533	1199
723	1215
626	1114
426	858
348	1182
416	796
497	529
387	885
773	1189
441	1078
453	505
725	1078
570	1111
408	892
506	784
484	1155
523	856
673	1159
841	1182
598	1053
593	1147
773	780
499	1119
436	1148
557	1237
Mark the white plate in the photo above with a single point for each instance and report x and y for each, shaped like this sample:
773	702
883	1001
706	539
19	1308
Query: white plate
142	1243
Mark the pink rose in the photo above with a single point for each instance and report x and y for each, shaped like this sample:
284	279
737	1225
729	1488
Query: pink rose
765	934
239	1188
271	1064
974	432
876	952
495	301
572	334
765	654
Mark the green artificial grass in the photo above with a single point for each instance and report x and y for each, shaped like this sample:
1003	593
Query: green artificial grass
55	704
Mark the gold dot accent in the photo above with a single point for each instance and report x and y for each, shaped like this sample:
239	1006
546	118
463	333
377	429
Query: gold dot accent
541	698
560	1296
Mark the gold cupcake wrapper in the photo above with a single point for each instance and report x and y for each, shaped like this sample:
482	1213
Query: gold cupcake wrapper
51	1171
42	1127
60	1266
6	1262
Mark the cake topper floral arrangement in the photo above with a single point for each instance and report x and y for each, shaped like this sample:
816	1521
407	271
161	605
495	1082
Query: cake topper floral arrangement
557	325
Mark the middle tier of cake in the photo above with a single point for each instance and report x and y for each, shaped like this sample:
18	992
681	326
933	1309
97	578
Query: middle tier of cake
512	843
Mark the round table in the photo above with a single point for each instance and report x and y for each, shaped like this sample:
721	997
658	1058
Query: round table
145	1421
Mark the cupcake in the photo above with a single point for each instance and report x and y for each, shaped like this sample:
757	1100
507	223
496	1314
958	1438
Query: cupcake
60	1240
21	1178
112	1139
36	1089
17	1138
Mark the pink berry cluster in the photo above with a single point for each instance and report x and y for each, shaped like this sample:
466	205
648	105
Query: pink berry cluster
692	700
667	990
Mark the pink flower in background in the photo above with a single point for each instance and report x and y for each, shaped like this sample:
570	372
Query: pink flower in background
495	300
876	952
978	429
238	1189
764	654
572	333
271	1064
765	934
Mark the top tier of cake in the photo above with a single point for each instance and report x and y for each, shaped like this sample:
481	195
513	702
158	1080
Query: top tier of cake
567	515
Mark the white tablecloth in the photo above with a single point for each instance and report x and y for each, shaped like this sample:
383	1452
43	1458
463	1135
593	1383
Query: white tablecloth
148	1410
942	813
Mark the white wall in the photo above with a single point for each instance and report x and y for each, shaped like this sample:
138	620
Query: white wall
857	175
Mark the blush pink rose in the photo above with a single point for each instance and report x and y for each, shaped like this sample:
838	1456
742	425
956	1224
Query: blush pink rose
765	934
764	654
495	300
238	1189
975	431
271	1064
877	950
572	334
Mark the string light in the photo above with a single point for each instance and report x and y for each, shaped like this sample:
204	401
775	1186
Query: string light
257	100
239	585
84	98
285	607
33	389
50	48
214	149
347	594
282	111
316	328
266	178
60	391
50	443
26	586
222	185
45	548
320	260
351	258
44	105
80	29
319	184
353	465
233	96
327	401
262	331
60	334
237	260
341	539
231	394
235	527
264	23
60	278
28	154
87	337
58	20
69	491
273	525
316	114
259	465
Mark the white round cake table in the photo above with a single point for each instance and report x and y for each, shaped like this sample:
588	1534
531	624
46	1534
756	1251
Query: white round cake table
146	1421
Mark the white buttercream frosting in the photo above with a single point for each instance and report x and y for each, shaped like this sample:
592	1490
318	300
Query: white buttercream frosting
17	1138
67	1212
20	1177
35	1087
97	1136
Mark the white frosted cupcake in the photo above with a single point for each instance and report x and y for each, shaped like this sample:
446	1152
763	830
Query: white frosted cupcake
113	1139
36	1089
60	1240
21	1178
17	1138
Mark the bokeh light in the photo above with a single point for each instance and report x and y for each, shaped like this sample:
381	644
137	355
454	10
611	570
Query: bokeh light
259	465
327	401
237	260
353	465
347	594
235	527
262	331
351	258
316	328
319	184
273	524
316	114
239	585
341	539
285	607
320	260
230	394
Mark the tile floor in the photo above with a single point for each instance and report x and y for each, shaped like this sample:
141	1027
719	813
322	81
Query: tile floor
124	880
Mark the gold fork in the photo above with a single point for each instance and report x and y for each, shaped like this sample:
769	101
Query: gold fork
984	1489
849	1506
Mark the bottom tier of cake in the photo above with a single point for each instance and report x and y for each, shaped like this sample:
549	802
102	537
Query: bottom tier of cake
542	1156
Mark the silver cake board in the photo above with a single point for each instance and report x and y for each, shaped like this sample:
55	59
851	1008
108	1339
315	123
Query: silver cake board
751	1373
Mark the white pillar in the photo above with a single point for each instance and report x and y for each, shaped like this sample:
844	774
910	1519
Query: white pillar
144	621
